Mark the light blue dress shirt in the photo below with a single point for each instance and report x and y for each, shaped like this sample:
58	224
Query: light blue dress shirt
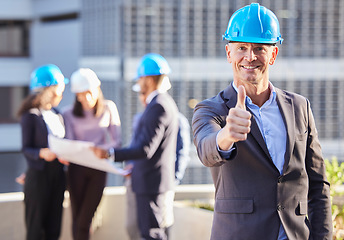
271	126
273	130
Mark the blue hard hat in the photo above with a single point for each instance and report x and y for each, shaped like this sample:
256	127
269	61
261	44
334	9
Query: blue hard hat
152	64
45	76
253	24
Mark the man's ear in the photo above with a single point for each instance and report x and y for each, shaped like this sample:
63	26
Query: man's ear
228	53
274	55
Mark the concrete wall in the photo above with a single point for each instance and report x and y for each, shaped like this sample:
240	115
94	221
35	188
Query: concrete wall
109	222
52	7
15	71
15	9
56	42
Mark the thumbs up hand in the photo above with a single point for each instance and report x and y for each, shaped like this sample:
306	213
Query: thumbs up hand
238	123
241	98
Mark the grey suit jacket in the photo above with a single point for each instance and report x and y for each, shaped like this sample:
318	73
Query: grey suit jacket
252	198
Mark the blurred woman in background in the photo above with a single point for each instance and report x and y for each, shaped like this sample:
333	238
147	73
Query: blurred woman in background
45	178
92	119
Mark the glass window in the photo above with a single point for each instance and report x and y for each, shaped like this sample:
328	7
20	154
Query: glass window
14	37
10	101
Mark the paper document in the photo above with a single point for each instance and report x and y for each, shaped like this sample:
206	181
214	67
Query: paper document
79	152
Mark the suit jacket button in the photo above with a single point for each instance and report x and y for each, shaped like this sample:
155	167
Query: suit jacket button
280	179
279	207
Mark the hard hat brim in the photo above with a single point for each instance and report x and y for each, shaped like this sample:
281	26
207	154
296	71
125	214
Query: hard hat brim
164	87
253	40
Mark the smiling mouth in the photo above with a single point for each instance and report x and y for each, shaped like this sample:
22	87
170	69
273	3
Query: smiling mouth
249	67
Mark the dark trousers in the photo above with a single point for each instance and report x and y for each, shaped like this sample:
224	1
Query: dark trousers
44	194
150	215
85	187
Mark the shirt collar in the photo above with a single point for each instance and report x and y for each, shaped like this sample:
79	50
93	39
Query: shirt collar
151	96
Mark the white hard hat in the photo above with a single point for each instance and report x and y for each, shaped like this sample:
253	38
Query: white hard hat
164	87
84	79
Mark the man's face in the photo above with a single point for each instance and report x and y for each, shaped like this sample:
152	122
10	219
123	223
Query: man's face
142	99
250	61
144	87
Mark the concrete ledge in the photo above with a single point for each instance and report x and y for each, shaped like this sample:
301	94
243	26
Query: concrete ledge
109	221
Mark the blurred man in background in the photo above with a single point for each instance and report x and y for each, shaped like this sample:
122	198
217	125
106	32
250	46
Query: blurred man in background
182	159
154	150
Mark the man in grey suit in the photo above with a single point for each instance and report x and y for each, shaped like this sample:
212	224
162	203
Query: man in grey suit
154	150
261	144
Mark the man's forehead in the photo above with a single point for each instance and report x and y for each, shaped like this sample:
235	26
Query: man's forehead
251	44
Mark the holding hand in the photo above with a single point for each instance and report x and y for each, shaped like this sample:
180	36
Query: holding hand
47	154
99	152
128	167
238	123
64	162
21	179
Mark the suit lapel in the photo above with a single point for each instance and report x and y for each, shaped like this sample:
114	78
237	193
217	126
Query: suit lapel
231	94
286	107
255	132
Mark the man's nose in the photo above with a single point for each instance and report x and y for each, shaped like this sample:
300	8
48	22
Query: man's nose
250	55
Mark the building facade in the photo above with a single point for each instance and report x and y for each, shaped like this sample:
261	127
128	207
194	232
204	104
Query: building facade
111	36
189	34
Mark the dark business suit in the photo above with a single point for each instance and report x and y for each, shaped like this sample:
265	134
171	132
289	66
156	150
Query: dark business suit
251	196
44	183
183	147
154	149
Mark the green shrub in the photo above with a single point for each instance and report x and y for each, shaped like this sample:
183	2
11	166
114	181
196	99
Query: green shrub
335	175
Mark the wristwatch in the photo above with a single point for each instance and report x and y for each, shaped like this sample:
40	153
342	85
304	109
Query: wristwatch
111	154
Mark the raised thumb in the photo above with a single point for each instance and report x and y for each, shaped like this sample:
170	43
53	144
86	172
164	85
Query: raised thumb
241	98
